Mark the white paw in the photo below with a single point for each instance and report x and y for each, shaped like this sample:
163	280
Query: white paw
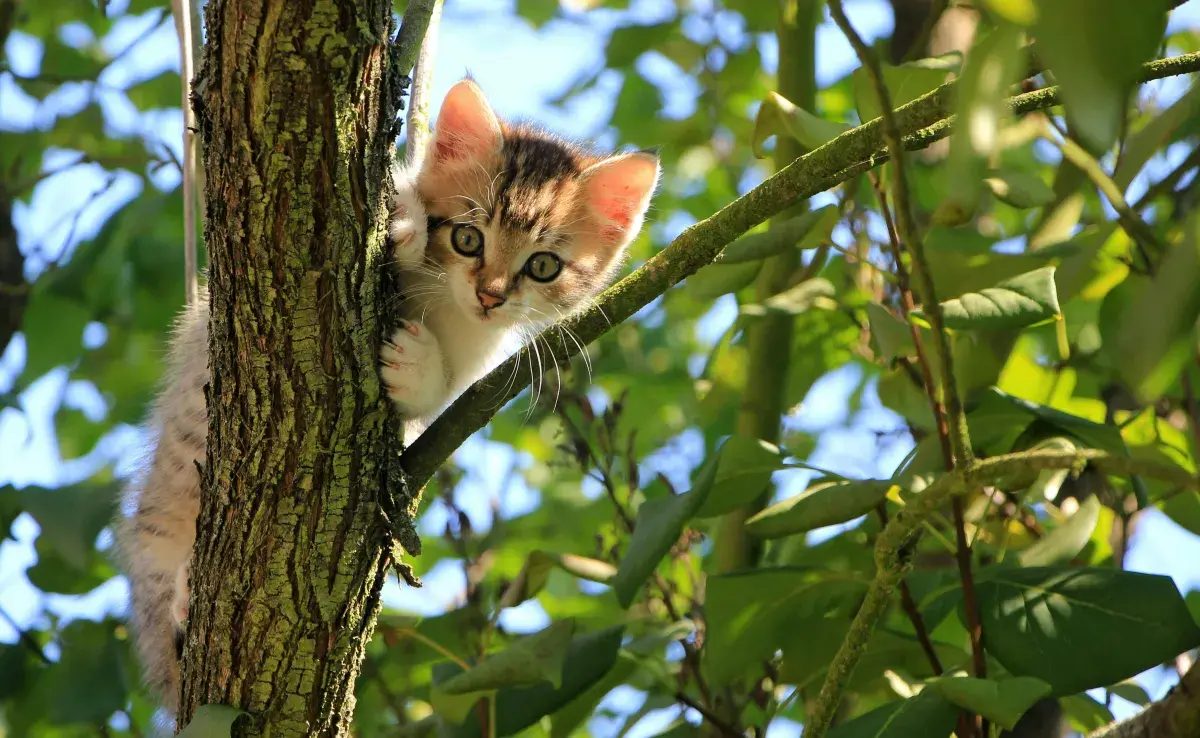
179	603
407	226
413	370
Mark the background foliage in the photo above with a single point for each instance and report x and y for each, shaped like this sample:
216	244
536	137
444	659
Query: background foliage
586	512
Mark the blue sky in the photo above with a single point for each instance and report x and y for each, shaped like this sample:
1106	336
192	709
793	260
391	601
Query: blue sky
520	68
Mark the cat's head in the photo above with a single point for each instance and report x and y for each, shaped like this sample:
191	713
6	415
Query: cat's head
525	226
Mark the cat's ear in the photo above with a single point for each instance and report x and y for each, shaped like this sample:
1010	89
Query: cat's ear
618	191
466	127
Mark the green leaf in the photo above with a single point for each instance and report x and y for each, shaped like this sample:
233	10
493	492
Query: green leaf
815	292
536	572
905	83
567	719
743	469
1184	509
1023	12
87	685
893	337
1095	49
1067	540
825	503
778	116
791	233
926	715
212	721
1014	303
53	574
14	669
68	63
1131	691
1080	628
659	524
53	328
162	91
1155	333
992	65
1000	421
753	614
1085	713
627	43
533	659
537	12
815	641
1002	702
1020	189
588	660
714	280
72	517
737	473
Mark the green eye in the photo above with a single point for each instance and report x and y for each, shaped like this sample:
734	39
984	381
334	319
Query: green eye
467	239
543	266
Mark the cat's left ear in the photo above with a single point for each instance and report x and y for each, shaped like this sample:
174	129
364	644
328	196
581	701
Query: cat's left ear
466	128
618	191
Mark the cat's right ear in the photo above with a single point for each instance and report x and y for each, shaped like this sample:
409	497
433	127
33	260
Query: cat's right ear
466	130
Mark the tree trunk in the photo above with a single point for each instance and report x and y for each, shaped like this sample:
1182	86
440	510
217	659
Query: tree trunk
295	103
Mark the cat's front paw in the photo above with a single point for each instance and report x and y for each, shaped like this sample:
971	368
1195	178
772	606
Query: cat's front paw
181	597
408	226
413	370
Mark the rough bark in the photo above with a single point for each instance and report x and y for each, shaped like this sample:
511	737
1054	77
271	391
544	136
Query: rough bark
295	103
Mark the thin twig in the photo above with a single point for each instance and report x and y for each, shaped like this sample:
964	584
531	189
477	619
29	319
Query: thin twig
906	227
25	638
418	93
725	728
962	549
182	11
1167	184
952	425
1128	218
952	420
1193	411
962	554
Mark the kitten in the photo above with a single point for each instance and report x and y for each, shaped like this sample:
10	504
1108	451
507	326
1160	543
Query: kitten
501	230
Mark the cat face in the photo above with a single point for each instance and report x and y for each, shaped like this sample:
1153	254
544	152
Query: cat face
525	227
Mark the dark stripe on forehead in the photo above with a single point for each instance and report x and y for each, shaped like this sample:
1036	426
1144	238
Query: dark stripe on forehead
532	163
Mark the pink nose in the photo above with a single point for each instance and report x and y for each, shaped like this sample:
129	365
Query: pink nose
488	300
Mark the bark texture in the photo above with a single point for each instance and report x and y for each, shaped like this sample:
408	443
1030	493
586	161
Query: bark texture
296	101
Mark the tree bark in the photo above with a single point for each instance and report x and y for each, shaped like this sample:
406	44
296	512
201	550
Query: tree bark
295	103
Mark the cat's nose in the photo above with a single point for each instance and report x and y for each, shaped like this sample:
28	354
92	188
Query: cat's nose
489	300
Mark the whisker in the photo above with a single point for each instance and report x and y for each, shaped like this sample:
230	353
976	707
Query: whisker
537	389
557	374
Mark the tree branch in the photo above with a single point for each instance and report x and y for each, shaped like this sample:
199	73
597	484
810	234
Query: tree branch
408	43
926	119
